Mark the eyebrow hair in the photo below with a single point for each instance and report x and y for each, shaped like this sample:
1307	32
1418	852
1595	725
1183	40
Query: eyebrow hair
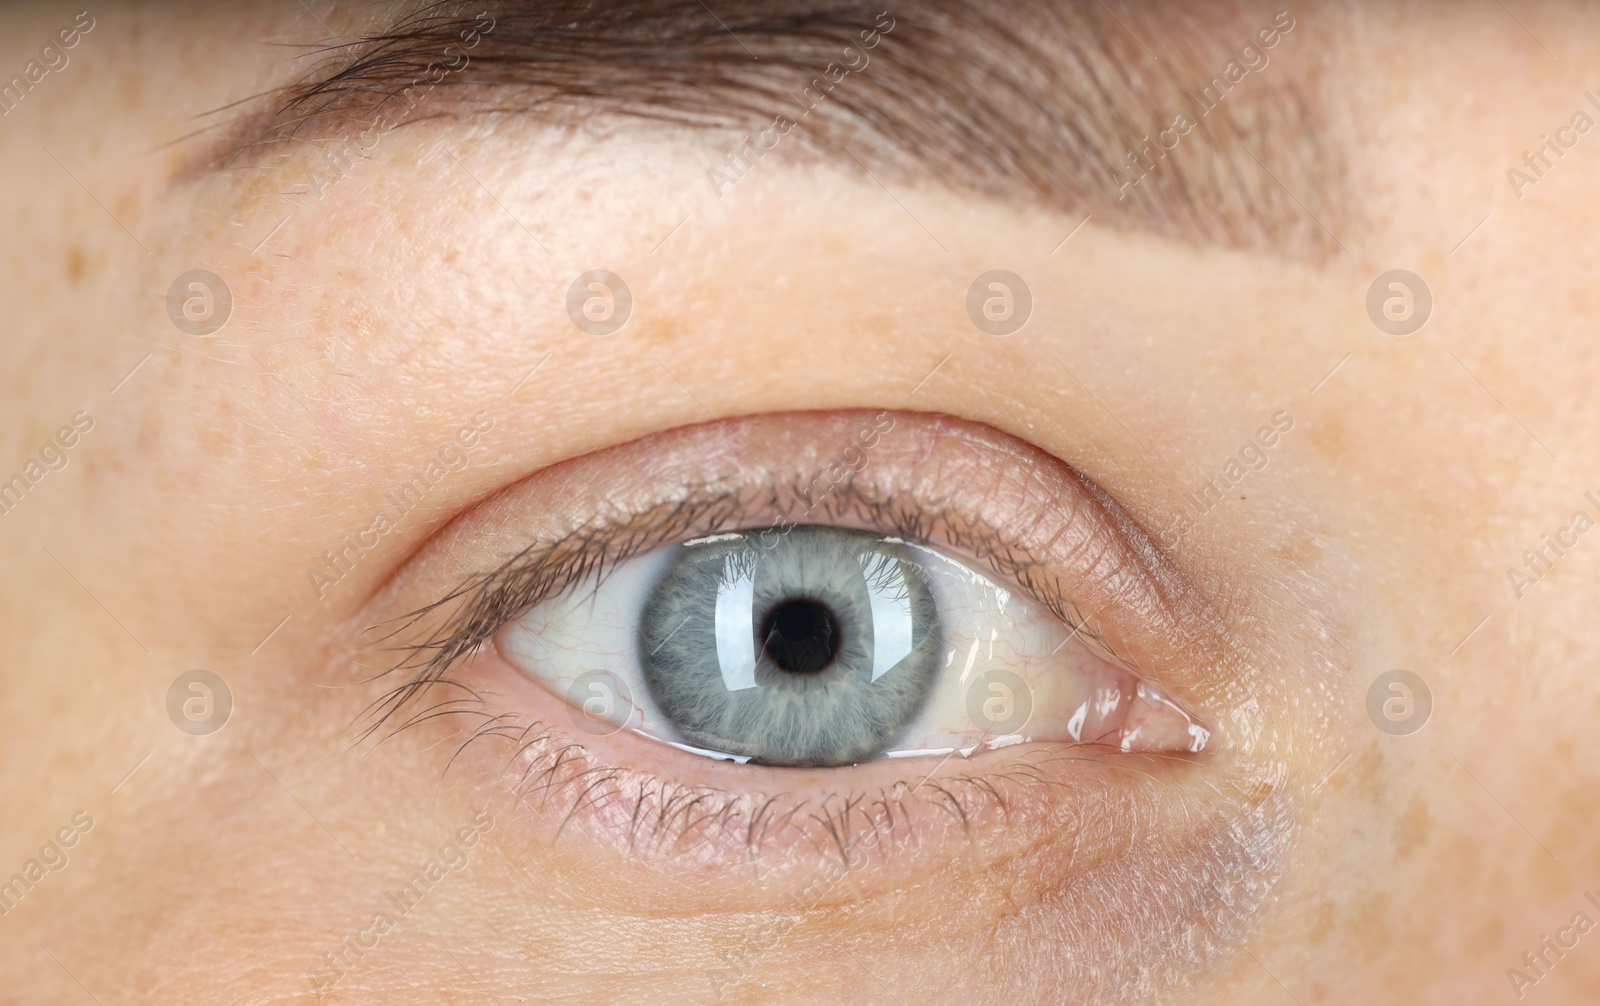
1060	106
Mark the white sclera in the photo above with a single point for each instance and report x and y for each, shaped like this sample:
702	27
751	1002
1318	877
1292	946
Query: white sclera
891	611
735	631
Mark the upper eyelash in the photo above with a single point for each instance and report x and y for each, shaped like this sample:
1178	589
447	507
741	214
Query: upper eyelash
479	607
485	603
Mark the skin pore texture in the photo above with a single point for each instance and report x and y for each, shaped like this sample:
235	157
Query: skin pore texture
1305	855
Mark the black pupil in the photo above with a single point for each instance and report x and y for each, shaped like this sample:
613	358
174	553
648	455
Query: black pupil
801	637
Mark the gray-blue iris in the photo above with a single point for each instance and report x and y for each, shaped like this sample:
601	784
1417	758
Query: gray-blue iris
815	646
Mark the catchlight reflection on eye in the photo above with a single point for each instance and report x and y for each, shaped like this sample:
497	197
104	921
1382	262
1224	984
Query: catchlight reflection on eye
823	646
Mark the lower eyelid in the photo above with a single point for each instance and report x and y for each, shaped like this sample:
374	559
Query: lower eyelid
562	765
1130	852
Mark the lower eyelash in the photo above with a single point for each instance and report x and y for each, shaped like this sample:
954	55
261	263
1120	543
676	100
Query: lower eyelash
666	820
1211	878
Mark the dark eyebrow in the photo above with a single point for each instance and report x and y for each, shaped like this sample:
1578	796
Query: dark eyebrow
1220	138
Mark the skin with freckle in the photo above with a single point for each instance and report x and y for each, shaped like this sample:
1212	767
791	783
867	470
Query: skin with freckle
1305	853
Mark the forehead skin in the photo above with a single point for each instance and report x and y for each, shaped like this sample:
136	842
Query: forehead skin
428	279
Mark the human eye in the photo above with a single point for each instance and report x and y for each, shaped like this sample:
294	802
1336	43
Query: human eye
813	645
734	622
